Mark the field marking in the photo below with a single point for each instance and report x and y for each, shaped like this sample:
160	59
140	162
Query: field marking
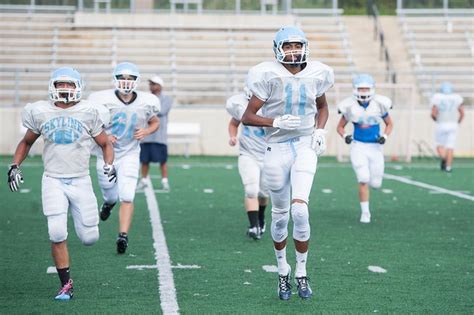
430	187
169	303
178	266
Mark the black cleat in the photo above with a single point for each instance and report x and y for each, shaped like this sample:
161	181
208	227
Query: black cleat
443	164
304	290
122	243
284	286
254	232
105	210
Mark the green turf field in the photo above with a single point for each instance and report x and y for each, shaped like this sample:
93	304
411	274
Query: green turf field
423	238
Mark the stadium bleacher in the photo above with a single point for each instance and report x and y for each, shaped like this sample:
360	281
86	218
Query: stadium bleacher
441	49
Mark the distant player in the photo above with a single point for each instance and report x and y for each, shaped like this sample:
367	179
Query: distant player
68	126
290	92
448	111
366	111
252	146
132	118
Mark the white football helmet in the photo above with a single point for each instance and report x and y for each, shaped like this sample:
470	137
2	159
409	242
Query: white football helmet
126	77
290	34
363	81
61	94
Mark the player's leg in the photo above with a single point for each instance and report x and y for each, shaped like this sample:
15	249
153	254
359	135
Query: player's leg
109	190
263	195
450	144
163	159
55	206
302	175
127	177
83	206
440	140
360	165
277	173
145	158
376	165
250	173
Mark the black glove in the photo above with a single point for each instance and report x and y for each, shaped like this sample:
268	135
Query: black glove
348	138
15	177
382	139
109	170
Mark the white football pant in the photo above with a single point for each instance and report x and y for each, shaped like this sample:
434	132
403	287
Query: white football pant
251	173
61	194
368	163
445	135
127	177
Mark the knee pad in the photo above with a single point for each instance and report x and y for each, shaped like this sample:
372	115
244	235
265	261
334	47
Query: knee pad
280	218
300	215
110	195
251	190
376	182
89	235
57	228
127	186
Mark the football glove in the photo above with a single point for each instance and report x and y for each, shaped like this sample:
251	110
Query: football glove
382	139
287	122
15	177
348	138
109	170
318	141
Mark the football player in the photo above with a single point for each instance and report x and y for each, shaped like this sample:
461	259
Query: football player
68	126
290	92
252	147
132	117
366	111
448	111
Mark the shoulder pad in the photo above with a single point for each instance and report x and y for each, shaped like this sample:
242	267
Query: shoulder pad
345	104
384	101
236	105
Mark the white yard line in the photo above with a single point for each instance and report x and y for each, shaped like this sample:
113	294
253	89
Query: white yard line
430	187
169	303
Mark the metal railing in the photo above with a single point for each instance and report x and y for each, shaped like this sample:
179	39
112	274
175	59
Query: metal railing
390	75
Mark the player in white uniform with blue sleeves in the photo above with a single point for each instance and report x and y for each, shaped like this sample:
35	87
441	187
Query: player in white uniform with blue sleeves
132	116
366	111
69	126
290	92
252	146
448	111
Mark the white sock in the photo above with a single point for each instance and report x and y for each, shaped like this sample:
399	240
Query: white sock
164	180
281	261
364	206
301	259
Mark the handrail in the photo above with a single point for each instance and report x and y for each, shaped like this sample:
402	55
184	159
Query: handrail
391	74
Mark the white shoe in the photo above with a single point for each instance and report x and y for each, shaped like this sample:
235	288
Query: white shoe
142	184
365	217
165	185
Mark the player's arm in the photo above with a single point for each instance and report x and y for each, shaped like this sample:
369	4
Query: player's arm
323	112
232	129
388	125
15	177
250	116
340	126
153	125
461	113
104	143
434	113
24	146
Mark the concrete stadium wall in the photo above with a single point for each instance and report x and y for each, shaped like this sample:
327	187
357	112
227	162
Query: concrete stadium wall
214	137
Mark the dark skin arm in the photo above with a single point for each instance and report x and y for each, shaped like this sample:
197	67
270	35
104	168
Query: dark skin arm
103	141
340	126
323	112
24	146
250	116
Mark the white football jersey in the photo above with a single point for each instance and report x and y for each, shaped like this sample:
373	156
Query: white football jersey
447	105
287	93
366	120
126	118
67	133
252	139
